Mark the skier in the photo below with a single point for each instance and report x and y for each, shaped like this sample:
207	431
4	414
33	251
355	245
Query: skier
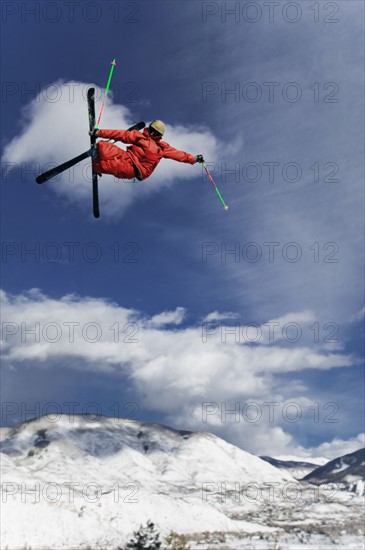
145	151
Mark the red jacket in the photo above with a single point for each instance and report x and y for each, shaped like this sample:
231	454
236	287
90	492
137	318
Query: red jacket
146	151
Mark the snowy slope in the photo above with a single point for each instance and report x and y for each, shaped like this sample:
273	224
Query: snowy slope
121	473
76	482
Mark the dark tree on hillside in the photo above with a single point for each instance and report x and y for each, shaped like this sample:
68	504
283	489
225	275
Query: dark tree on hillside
146	538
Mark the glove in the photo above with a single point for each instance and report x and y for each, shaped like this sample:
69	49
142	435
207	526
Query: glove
199	158
93	132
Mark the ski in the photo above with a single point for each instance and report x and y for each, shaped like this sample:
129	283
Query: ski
137	126
61	168
91	112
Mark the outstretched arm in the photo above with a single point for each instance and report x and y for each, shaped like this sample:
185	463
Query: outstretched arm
121	135
180	156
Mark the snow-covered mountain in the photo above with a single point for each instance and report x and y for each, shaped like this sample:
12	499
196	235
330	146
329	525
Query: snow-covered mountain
77	482
347	470
297	468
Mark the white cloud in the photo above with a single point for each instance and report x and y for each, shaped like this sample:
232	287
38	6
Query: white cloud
253	426
328	450
338	447
217	316
55	129
300	326
168	318
172	370
91	327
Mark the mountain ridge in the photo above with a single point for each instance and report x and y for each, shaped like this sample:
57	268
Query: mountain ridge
346	469
95	481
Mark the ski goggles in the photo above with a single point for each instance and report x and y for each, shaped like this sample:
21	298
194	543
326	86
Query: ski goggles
154	132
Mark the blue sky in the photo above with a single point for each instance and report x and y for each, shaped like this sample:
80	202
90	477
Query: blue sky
280	100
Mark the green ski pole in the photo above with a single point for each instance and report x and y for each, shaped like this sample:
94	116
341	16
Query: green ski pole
215	187
106	92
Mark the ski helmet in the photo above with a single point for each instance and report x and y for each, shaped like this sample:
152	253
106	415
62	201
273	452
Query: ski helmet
159	126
